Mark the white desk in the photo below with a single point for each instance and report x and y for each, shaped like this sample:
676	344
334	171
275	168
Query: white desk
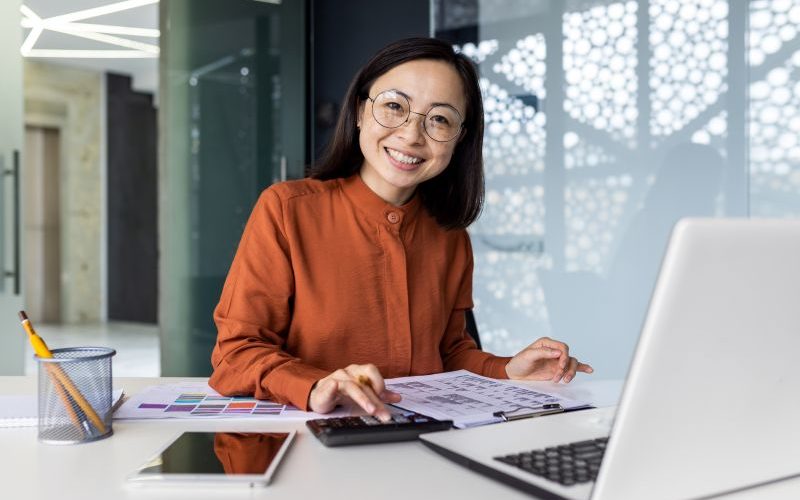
402	471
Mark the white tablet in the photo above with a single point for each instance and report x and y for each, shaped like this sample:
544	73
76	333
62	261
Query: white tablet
206	458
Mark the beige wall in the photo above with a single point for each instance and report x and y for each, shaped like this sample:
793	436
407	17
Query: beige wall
71	100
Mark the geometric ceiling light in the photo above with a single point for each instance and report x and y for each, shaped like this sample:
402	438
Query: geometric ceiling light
66	24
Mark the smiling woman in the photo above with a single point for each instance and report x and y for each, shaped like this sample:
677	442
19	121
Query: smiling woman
364	271
421	78
394	140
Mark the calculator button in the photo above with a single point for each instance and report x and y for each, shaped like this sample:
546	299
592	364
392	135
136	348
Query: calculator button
370	420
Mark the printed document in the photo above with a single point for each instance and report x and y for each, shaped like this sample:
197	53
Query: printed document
469	399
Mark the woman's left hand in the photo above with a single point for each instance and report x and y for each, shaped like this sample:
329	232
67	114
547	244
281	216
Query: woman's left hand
545	359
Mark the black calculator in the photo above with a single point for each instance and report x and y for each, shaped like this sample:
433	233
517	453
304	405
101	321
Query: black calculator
342	431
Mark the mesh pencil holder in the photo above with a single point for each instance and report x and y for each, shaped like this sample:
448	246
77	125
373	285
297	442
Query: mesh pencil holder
75	395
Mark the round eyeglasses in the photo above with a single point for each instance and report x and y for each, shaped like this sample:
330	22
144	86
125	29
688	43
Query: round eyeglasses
391	109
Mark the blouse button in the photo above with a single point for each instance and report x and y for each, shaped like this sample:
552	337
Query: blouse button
393	217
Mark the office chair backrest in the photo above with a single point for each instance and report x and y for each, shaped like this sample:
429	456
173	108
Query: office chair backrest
472	327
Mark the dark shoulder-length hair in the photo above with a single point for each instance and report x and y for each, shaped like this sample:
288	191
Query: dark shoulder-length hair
455	196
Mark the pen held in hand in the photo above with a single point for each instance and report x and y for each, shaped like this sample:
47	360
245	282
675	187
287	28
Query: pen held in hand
365	381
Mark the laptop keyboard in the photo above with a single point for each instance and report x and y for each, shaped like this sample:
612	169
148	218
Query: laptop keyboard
567	464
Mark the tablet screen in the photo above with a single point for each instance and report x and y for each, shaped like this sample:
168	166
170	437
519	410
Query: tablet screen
219	454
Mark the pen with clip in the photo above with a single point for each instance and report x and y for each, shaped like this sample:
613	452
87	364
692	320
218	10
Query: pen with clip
534	411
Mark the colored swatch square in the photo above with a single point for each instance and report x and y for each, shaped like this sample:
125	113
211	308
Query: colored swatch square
239	406
207	406
206	412
235	410
180	407
217	398
270	411
152	406
269	405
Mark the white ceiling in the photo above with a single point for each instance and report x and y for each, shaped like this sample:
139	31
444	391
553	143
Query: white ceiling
143	70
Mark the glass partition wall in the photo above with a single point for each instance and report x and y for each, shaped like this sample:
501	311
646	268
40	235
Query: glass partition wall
606	121
233	120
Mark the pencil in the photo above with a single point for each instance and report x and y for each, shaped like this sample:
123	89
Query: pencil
55	371
65	399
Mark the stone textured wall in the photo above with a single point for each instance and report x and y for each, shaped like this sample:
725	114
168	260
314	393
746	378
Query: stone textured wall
71	99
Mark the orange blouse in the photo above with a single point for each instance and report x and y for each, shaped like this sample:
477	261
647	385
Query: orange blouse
328	274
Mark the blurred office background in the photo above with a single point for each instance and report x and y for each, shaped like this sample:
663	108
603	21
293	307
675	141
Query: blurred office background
136	136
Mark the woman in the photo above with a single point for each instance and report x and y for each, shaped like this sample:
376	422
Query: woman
364	270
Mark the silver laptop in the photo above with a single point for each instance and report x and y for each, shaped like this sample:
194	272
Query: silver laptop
712	399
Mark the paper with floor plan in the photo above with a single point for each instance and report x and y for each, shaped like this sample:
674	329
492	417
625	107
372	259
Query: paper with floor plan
198	400
469	399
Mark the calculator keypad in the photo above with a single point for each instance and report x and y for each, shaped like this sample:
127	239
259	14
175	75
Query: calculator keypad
406	426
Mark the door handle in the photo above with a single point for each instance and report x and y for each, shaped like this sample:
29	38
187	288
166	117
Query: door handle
13	172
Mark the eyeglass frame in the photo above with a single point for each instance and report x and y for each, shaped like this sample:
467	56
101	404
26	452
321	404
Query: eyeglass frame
408	116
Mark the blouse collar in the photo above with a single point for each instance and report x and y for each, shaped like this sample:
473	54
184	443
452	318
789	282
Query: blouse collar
373	205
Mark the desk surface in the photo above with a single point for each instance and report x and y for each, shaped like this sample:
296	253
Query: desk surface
97	471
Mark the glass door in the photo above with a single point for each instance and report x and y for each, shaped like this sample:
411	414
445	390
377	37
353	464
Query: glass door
12	337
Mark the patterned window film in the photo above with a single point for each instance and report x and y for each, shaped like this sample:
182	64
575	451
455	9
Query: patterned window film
606	121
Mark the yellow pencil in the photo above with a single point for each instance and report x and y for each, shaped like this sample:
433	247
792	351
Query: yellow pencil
39	346
62	393
41	350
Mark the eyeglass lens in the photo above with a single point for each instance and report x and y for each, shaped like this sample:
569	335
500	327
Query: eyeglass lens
391	109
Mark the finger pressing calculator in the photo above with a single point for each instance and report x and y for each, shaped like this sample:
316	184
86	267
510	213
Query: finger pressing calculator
342	431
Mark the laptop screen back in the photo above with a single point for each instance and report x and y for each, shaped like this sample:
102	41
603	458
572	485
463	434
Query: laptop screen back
711	402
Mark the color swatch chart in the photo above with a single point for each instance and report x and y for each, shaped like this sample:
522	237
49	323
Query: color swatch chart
203	404
198	400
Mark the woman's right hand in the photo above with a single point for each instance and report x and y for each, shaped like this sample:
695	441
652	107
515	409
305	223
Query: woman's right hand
350	384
